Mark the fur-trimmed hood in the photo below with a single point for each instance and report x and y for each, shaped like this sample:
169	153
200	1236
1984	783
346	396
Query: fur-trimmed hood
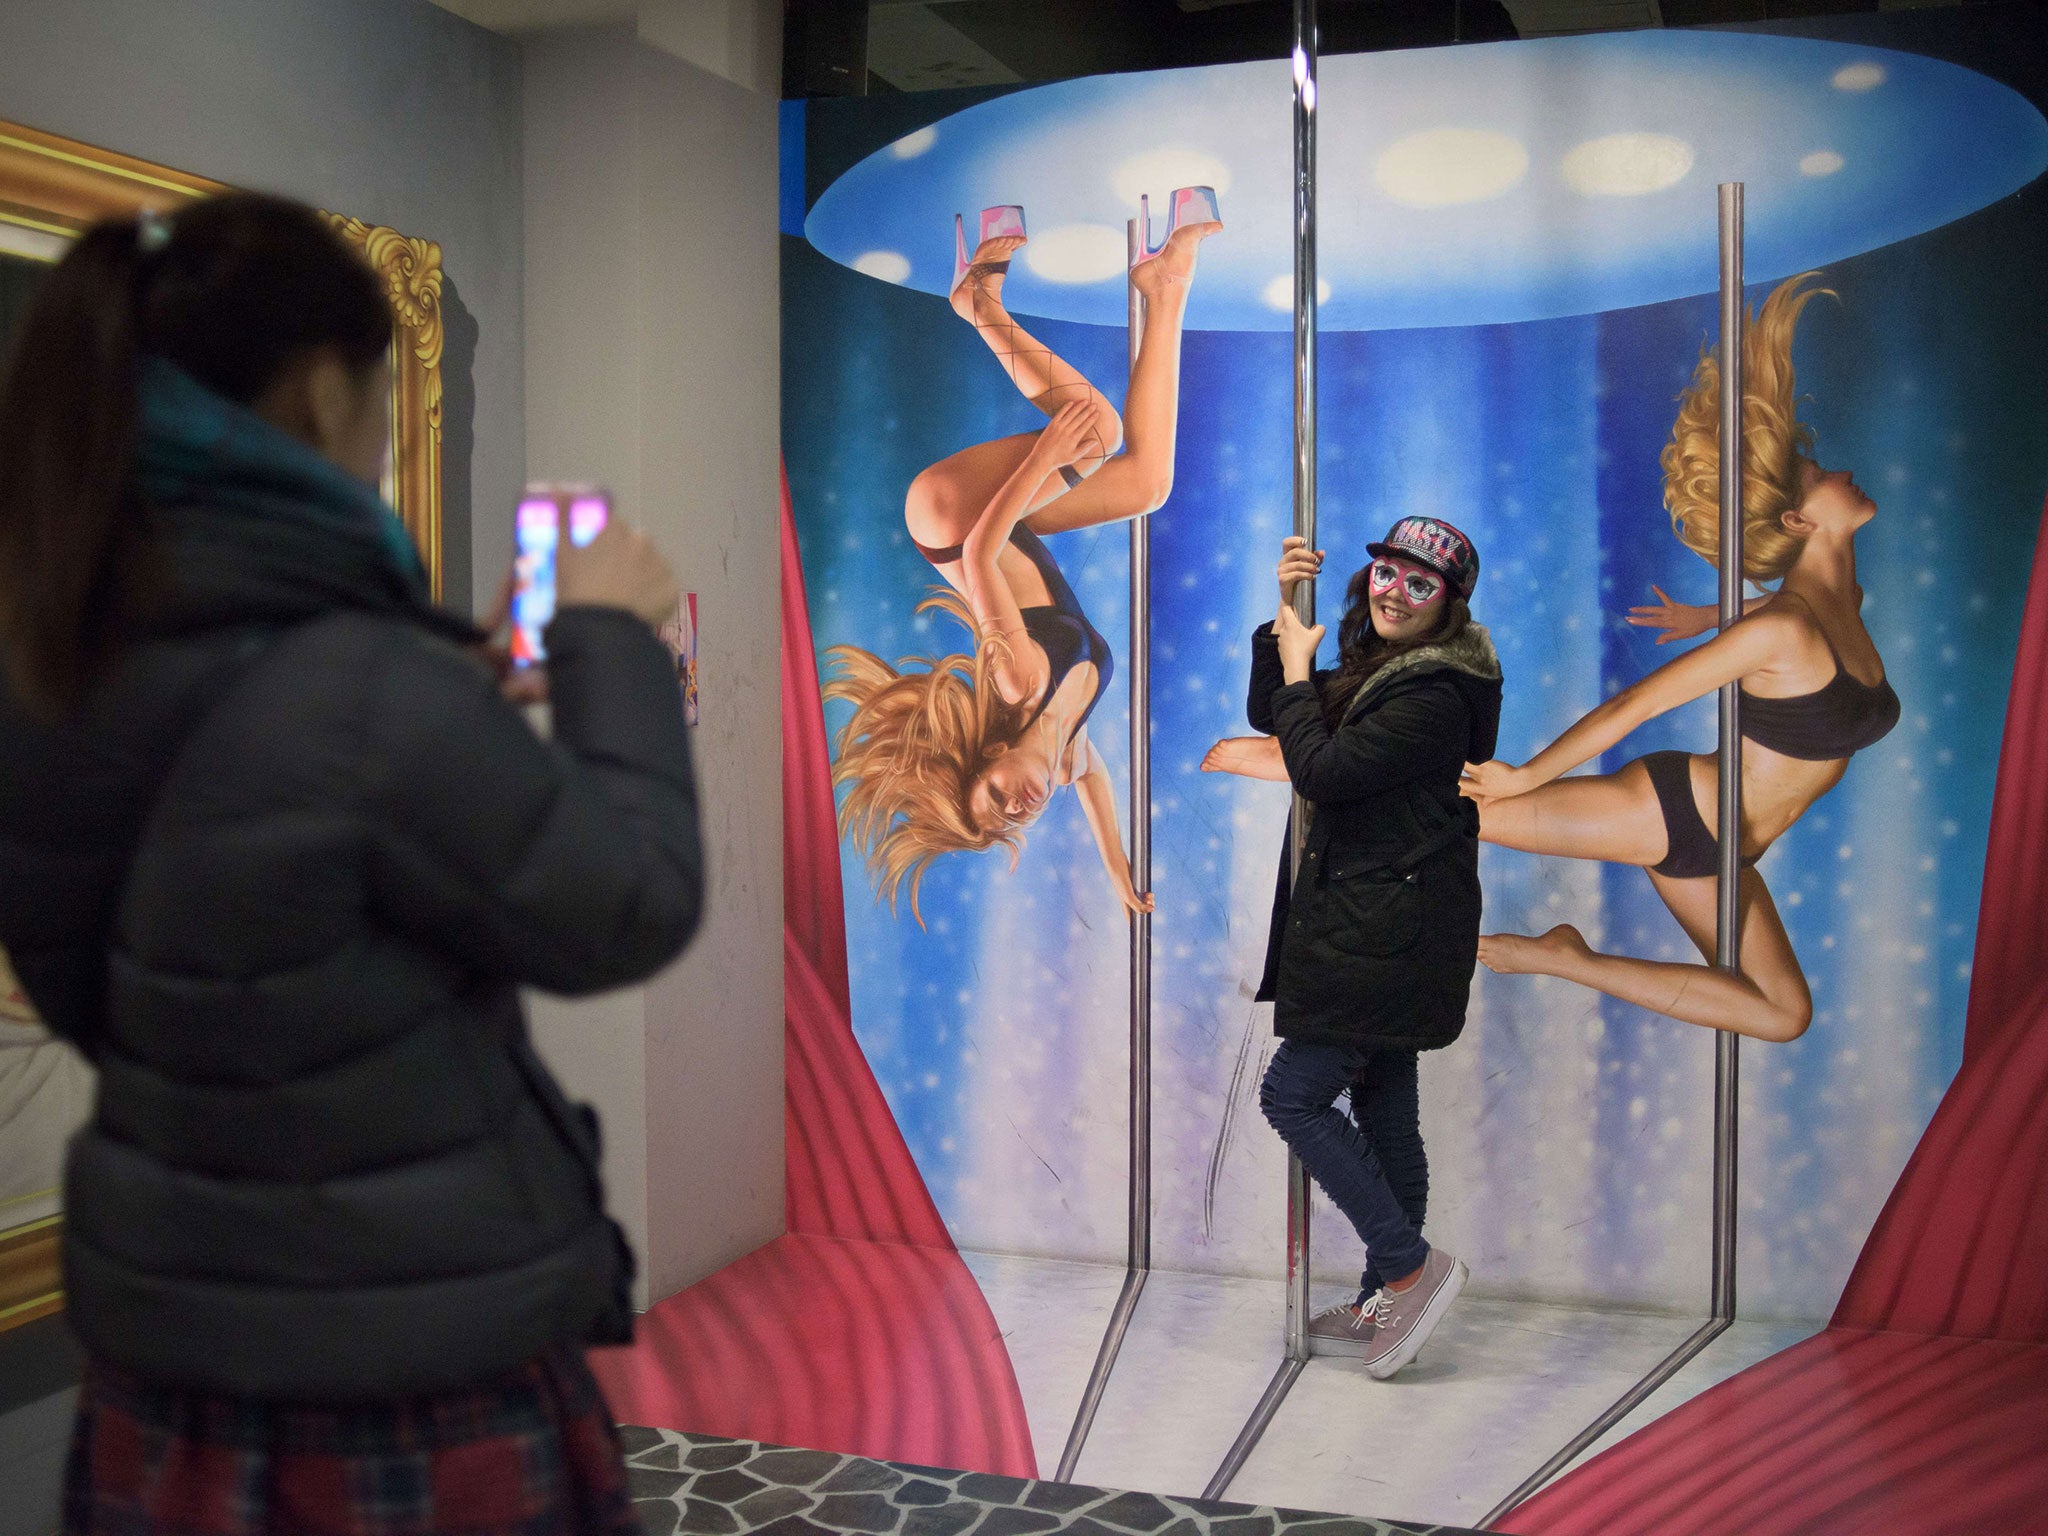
1472	656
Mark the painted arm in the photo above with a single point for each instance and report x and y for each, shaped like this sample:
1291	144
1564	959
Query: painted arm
1682	621
1020	666
1745	647
1098	803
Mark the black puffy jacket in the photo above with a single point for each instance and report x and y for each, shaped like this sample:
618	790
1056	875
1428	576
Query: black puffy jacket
280	879
1374	945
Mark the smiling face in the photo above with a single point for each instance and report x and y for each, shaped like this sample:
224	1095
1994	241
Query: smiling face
1830	501
1406	600
1013	788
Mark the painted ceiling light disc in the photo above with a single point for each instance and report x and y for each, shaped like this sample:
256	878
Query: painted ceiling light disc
1458	186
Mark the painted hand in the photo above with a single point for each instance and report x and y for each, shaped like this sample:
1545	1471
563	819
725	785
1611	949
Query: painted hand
1068	435
1487	782
1679	621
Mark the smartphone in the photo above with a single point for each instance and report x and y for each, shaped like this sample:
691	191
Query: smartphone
545	511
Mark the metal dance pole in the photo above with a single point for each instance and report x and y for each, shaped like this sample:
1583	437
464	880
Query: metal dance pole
1138	1249
1728	917
1727	923
1297	1352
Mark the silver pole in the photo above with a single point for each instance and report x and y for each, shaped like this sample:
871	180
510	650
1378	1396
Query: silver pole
1305	526
1296	1351
1727	933
1138	1247
1728	917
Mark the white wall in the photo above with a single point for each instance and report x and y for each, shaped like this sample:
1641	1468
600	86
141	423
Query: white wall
389	110
652	307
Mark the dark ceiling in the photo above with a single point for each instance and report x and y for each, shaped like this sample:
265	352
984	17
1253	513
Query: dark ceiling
827	41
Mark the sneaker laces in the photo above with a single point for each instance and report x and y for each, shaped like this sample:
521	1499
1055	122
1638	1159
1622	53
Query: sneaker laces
1377	1310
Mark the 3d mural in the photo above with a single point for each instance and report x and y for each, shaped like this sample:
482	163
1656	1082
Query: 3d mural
1517	243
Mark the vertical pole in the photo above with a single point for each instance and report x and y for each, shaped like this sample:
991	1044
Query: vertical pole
1728	916
1305	527
1138	1250
1140	652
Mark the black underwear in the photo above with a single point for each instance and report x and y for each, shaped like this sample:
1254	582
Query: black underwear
1689	848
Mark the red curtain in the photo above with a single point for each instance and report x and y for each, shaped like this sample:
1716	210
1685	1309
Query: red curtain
862	1329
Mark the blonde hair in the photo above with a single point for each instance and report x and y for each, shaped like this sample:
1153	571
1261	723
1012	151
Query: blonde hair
1773	442
916	744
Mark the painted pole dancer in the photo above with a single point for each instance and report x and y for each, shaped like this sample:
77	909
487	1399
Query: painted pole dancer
963	752
1813	694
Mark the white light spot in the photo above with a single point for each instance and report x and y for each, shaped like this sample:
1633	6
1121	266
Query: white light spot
911	145
1159	172
1077	253
1279	293
1822	162
1442	166
889	266
1627	165
1858	77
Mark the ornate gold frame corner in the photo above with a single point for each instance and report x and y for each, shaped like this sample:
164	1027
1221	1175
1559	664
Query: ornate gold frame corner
410	269
57	187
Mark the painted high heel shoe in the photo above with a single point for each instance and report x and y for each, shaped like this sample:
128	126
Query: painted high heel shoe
1189	205
1005	220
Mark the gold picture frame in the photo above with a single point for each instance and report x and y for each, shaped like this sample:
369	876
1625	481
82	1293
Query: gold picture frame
51	188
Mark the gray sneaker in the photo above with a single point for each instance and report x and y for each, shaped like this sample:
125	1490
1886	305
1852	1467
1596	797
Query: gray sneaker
1404	1320
1343	1330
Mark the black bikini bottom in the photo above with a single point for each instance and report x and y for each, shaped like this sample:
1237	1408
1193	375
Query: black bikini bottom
1689	848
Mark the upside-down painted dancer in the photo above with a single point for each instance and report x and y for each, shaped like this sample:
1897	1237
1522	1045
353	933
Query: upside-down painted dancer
1813	694
1371	952
963	752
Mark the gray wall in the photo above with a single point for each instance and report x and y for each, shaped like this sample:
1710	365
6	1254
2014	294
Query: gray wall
389	110
652	299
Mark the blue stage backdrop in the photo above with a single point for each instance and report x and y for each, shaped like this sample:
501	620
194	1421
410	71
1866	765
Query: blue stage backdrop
1569	1134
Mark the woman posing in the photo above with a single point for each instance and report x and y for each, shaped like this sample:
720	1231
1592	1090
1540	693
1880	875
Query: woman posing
277	856
965	752
1814	693
1371	949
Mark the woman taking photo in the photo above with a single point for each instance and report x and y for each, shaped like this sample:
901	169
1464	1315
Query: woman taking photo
1373	941
277	855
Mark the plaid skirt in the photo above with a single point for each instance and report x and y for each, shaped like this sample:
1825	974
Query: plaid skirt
533	1453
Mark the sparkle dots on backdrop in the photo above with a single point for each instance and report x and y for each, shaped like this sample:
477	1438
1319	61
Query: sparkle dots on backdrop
1569	1134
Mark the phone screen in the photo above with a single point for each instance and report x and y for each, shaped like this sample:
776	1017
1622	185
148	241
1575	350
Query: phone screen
536	533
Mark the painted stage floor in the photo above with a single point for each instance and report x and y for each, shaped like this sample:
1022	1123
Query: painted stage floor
1500	1387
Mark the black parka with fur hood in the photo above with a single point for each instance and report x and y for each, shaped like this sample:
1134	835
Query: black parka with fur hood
1374	945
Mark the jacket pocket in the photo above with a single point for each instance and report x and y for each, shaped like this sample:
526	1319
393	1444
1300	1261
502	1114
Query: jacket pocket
1371	910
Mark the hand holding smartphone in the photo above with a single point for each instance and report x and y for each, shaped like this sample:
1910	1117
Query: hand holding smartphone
545	512
604	563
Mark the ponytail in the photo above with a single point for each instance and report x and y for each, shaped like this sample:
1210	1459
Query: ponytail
74	551
230	290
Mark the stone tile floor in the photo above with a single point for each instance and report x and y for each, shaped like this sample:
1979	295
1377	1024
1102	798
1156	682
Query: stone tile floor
700	1485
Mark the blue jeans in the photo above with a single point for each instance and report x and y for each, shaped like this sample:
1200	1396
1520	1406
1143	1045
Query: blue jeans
1371	1164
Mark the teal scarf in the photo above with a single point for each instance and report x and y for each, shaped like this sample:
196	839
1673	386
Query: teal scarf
196	446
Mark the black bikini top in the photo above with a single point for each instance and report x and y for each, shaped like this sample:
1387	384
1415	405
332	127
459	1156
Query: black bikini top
1060	627
1843	718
